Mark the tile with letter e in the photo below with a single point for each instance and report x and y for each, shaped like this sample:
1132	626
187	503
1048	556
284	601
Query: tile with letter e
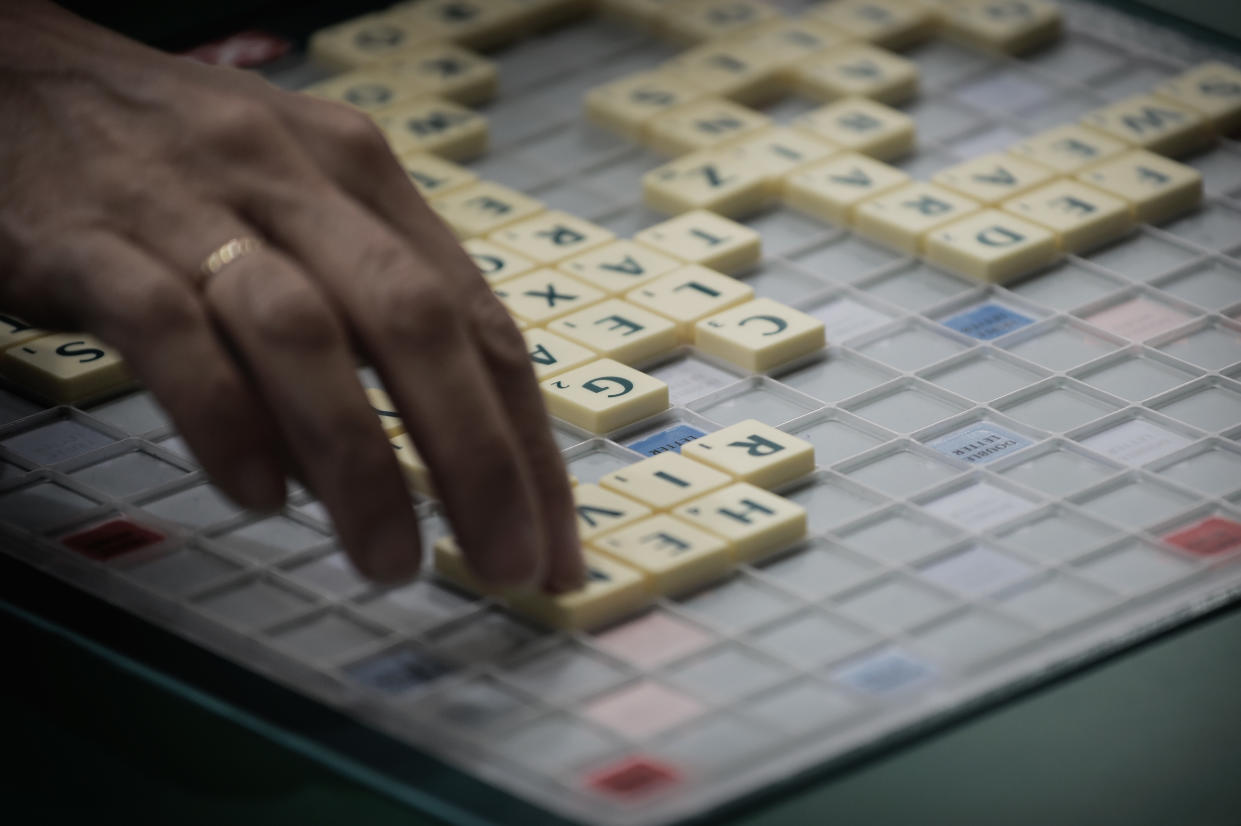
857	70
754	452
432	175
1155	187
754	522
540	296
1009	26
626	106
1212	89
901	218
760	334
703	124
494	262
446	71
893	24
702	237
673	555
600	510
666	480
65	368
551	355
1081	215
778	151
551	236
991	246
712	179
618	330
689	294
830	190
412	465
862	125
441	127
1152	123
994	178
1068	149
483	207
619	266
604	395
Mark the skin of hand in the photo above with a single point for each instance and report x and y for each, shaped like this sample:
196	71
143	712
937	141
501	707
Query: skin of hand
123	168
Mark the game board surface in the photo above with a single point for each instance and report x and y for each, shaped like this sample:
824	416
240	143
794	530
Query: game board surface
1008	479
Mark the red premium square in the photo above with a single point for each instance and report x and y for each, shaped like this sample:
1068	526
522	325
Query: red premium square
111	539
633	777
1210	536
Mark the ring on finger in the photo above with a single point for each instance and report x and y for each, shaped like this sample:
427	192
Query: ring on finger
225	254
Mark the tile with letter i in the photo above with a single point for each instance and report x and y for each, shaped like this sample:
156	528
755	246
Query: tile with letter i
484	207
1008	26
994	178
713	179
613	590
703	124
619	266
856	71
539	296
1213	90
832	189
753	521
754	452
730	70
385	409
665	481
626	106
368	90
779	151
991	246
604	395
14	331
494	262
441	127
65	368
689	294
702	237
760	334
618	330
600	510
551	355
1081	216
692	21
1155	187
432	175
365	40
446	71
551	236
671	554
901	218
893	24
412	466
1152	123
862	125
1068	149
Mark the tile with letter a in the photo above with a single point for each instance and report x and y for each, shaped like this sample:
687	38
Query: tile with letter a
626	106
1152	123
779	151
368	90
1155	187
665	481
695	20
438	126
496	263
365	40
1068	149
539	296
689	294
484	207
65	368
673	555
14	331
1081	216
754	452
901	218
552	236
991	246
613	590
618	330
994	178
385	408
760	334
732	70
446	71
702	237
412	465
551	355
1009	26
600	510
604	395
619	266
703	124
433	175
713	179
893	24
1213	90
832	189
862	125
754	522
857	71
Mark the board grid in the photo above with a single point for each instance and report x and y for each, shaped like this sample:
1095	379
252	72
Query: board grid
1010	480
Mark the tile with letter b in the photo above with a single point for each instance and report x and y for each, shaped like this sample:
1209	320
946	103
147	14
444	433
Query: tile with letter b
704	124
551	355
626	106
1155	187
1068	149
619	266
754	452
754	522
618	330
730	69
712	179
432	175
1212	89
994	178
600	510
604	395
862	125
483	207
893	24
496	263
689	294
832	189
412	465
702	237
65	368
1081	216
901	218
542	295
1152	123
665	481
1008	26
856	71
760	334
432	125
779	151
445	70
551	236
671	554
991	246
385	408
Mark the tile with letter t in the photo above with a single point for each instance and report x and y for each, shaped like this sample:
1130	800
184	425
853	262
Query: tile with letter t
753	521
754	452
604	395
671	554
665	481
760	334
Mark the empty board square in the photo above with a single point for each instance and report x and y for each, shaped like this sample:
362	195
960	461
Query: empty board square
1136	441
128	473
828	503
1138	318
1212	347
691	378
1058	472
809	640
902	472
941	62
784	282
924	163
818	570
253	603
270	539
1057	409
897	537
1136	377
1065	286
1066	107
482	638
1210	407
906	409
736	604
783	231
1135	568
1215	227
195	507
800	707
845	260
969	638
980	506
846	318
726	674
589	465
983	377
414	607
42	506
563	674
1213	285
1061	346
886	671
1136	78
980	443
835	377
1006	91
55	442
554	745
652	639
937	118
895	603
1054	601
575	199
182	570
642	710
754	402
575	146
328	636
911	347
976	570
713	746
14	407
835	440
1057	535
1075	59
136	413
1220	168
1142	257
476	707
333	574
1135	503
1214	470
917	287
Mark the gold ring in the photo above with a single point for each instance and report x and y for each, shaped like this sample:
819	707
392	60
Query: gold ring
226	254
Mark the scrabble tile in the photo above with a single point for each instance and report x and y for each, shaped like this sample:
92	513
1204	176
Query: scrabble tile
367	39
385	408
413	468
779	151
613	590
787	42
689	294
754	522
856	71
759	334
901	218
1008	26
604	395
551	355
1081	216
994	178
484	207
14	331
1211	89
642	14
496	263
694	20
626	106
863	126
831	189
432	175
673	555
551	236
702	237
66	368
438	126
535	15
753	452
479	24
618	330
1068	149
544	294
665	481
893	24
991	246
600	510
1155	187
445	70
712	179
619	266
703	124
368	90
732	70
1153	123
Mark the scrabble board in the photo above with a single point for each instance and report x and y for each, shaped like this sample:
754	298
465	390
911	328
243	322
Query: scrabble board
998	467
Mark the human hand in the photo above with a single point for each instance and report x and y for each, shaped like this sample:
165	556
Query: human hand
125	168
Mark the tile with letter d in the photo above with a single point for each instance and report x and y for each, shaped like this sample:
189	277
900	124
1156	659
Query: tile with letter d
754	452
760	334
754	522
604	395
991	246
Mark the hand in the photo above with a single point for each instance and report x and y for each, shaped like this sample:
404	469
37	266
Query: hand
124	168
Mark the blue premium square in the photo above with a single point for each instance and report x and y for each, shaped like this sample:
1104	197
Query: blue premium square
665	440
980	443
987	321
397	671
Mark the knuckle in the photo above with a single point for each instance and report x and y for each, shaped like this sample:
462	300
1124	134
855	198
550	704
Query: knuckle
161	306
239	122
418	314
295	318
356	133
